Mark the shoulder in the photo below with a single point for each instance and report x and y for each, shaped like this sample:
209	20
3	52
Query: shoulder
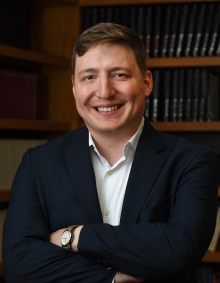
55	148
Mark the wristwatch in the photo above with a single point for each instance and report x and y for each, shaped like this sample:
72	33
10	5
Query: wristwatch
67	237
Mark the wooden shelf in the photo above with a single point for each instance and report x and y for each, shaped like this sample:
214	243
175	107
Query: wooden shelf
33	56
4	196
212	61
187	126
212	257
1	269
131	2
33	125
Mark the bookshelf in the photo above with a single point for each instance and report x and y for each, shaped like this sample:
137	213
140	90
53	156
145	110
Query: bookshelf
49	56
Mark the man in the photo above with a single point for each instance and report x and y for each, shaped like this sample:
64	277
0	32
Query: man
115	201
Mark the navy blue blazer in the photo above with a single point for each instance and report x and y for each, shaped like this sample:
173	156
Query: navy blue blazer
167	222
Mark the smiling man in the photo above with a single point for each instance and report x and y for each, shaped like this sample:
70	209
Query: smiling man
115	201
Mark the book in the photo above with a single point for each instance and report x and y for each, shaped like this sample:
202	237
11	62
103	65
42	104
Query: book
109	15
166	95
180	104
165	30
188	95
182	20
203	95
189	29
173	30
198	29
214	89
125	20
215	27
217	48
147	107
206	29
140	21
147	29
155	97
174	95
195	94
132	16
11	152
18	95
156	31
215	238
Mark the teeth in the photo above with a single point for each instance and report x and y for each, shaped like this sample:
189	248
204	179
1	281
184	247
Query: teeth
107	109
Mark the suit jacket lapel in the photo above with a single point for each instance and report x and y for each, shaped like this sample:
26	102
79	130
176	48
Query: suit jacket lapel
145	168
83	179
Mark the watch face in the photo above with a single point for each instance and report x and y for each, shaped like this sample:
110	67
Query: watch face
65	238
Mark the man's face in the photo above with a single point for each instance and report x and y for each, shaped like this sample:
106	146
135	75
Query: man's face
110	90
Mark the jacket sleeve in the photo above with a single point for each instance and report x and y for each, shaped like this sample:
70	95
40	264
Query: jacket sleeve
157	249
28	256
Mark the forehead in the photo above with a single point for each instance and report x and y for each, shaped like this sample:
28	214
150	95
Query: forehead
105	52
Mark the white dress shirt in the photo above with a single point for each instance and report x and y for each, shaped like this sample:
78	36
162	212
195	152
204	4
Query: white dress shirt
111	181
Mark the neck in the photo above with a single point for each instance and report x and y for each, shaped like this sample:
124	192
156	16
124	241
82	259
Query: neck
111	148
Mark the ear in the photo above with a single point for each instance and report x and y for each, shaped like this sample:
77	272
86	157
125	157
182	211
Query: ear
73	85
148	83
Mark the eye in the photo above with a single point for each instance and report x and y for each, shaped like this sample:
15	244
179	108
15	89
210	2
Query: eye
119	75
88	78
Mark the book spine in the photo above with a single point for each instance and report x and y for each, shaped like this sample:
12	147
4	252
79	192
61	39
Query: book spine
214	30
140	22
166	95
156	31
174	91
203	94
155	97
147	29
181	30
198	29
190	29
133	18
109	14
206	29
165	30
18	94
173	31
195	95
188	96
217	49
181	92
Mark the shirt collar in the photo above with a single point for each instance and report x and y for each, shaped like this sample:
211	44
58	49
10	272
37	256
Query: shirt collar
133	140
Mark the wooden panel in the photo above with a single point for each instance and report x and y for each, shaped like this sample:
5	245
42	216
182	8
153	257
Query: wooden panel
61	27
33	56
32	125
212	257
187	126
1	269
183	62
4	196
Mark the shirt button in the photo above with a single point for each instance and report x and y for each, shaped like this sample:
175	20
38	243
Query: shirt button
110	172
106	212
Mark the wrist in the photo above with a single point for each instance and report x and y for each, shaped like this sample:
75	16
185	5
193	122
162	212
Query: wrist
67	237
76	234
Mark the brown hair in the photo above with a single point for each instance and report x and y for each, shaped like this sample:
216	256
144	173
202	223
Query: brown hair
110	32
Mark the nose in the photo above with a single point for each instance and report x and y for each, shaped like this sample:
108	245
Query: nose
105	88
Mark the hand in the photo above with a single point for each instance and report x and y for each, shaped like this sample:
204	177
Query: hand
55	237
124	278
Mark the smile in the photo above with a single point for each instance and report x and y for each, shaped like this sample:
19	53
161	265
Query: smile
107	109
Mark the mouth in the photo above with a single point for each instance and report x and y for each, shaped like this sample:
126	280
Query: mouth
108	109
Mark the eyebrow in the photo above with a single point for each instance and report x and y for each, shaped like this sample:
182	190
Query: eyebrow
94	70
